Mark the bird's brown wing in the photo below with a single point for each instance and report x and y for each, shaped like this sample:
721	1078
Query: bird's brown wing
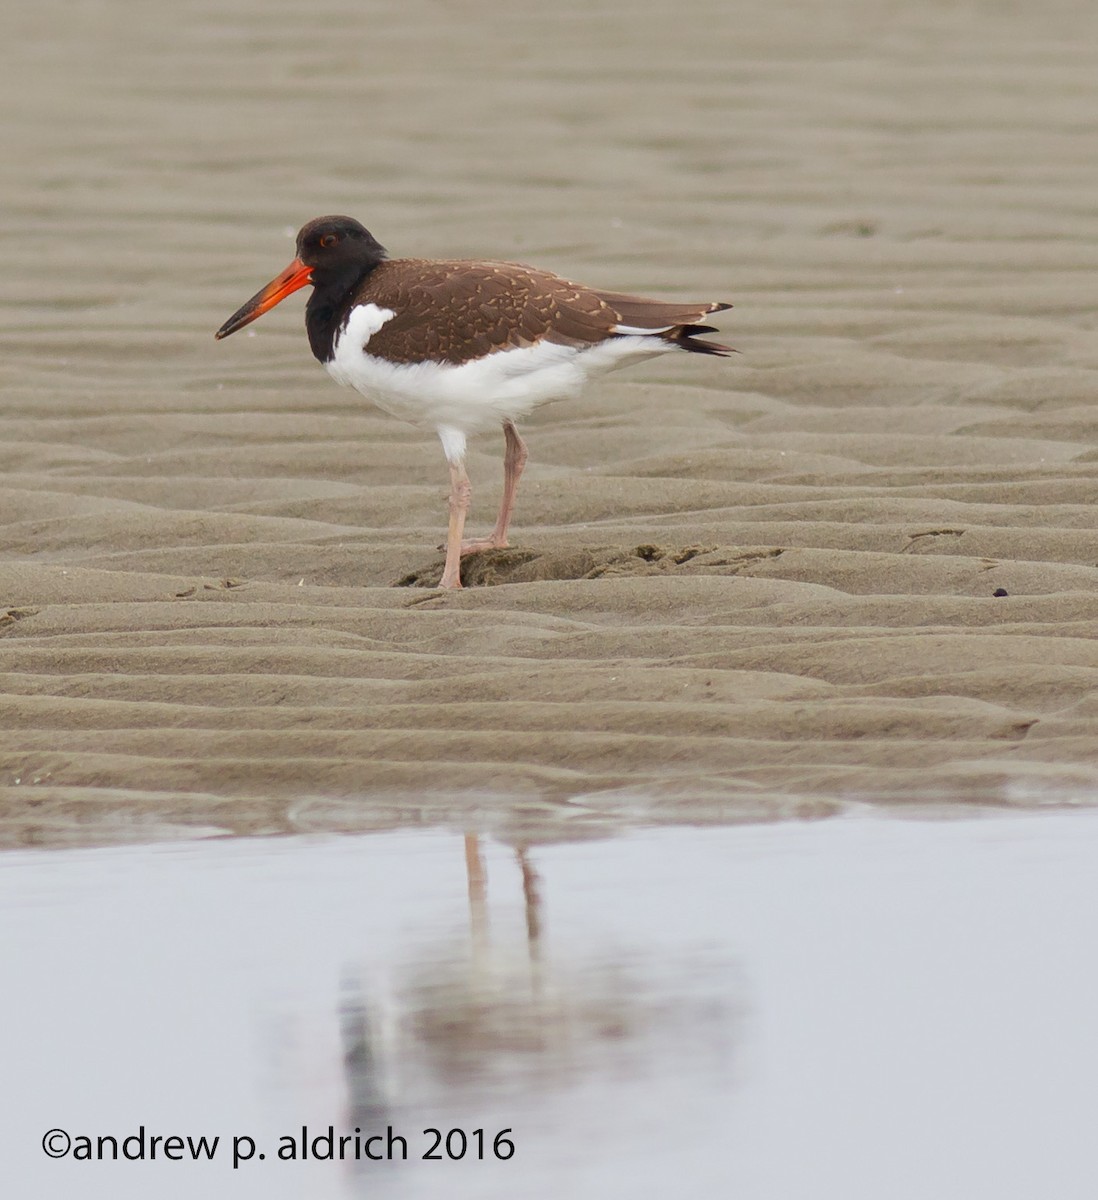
456	311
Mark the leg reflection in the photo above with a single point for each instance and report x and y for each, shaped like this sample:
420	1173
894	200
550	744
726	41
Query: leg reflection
531	894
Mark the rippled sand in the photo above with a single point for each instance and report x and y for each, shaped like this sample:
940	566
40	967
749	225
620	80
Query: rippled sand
738	588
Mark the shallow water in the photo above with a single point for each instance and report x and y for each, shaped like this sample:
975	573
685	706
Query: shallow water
858	1007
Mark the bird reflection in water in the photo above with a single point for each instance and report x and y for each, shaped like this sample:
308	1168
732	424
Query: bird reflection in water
494	1017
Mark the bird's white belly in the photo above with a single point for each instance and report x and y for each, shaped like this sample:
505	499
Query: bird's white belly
475	395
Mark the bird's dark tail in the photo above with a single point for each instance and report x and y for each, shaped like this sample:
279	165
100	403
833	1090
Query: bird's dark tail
684	335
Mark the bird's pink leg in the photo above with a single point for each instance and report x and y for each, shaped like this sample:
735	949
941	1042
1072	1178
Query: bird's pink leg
514	459
460	495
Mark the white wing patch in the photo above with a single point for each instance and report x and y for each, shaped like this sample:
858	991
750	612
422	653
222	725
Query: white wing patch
636	331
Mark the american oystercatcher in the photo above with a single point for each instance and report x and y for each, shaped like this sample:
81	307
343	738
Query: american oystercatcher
461	346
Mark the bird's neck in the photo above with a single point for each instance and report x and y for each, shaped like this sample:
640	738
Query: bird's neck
333	295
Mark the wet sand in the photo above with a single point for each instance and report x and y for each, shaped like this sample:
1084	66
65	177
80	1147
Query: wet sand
742	588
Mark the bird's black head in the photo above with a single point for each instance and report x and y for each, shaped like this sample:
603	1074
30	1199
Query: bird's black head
336	246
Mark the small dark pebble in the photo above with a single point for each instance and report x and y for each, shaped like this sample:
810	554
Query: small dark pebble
1000	592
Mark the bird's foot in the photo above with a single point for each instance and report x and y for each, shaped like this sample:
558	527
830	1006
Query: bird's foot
476	545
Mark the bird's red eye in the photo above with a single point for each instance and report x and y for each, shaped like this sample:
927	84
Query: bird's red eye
329	239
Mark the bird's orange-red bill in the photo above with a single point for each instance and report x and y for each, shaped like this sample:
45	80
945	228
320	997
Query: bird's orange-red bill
296	275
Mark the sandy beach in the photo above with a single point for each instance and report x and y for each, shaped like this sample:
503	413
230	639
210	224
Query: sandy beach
855	564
